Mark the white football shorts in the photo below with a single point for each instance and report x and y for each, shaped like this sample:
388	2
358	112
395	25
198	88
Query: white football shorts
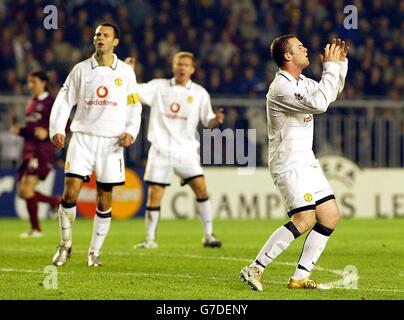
303	187
161	166
87	153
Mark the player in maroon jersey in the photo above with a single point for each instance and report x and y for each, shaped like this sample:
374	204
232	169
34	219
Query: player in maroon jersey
38	152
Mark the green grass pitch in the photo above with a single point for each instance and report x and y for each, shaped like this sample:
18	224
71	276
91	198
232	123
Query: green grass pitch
182	269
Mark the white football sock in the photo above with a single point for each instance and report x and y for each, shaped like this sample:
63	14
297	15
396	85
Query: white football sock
151	221
67	215
313	246
204	209
276	244
102	222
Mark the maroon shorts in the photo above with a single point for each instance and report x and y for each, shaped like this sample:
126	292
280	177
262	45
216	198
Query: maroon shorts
34	167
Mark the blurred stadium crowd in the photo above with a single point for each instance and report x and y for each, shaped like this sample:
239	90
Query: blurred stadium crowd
230	39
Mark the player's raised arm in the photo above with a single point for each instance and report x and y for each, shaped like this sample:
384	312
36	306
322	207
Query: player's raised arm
146	91
343	62
65	100
289	98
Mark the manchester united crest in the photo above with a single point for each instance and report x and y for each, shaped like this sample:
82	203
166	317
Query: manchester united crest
118	82
308	197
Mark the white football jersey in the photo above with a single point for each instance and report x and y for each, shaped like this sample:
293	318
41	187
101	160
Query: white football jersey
107	104
175	113
291	104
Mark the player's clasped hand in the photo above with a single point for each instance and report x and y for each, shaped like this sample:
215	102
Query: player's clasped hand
343	50
58	140
335	51
125	140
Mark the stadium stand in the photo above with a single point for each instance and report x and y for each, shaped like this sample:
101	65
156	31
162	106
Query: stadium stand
230	39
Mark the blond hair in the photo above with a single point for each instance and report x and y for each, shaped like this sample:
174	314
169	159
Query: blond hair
184	54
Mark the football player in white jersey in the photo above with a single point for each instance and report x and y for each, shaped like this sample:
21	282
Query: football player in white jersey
177	106
292	100
107	120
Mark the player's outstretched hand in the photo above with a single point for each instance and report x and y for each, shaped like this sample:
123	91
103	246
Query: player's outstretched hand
41	133
125	139
58	140
131	61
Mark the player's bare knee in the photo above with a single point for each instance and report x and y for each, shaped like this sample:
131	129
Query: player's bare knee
70	195
72	189
331	221
304	221
201	192
199	188
104	200
104	206
304	226
155	194
154	200
328	215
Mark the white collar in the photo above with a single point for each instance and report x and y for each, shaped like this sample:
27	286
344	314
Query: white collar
288	76
173	83
43	96
94	63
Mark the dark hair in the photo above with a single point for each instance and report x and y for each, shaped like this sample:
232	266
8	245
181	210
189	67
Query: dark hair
109	24
42	75
279	47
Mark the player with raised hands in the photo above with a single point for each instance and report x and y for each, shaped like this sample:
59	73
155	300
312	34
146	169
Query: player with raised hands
292	100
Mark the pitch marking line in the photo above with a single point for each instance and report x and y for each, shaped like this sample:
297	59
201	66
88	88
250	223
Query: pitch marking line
142	274
192	256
